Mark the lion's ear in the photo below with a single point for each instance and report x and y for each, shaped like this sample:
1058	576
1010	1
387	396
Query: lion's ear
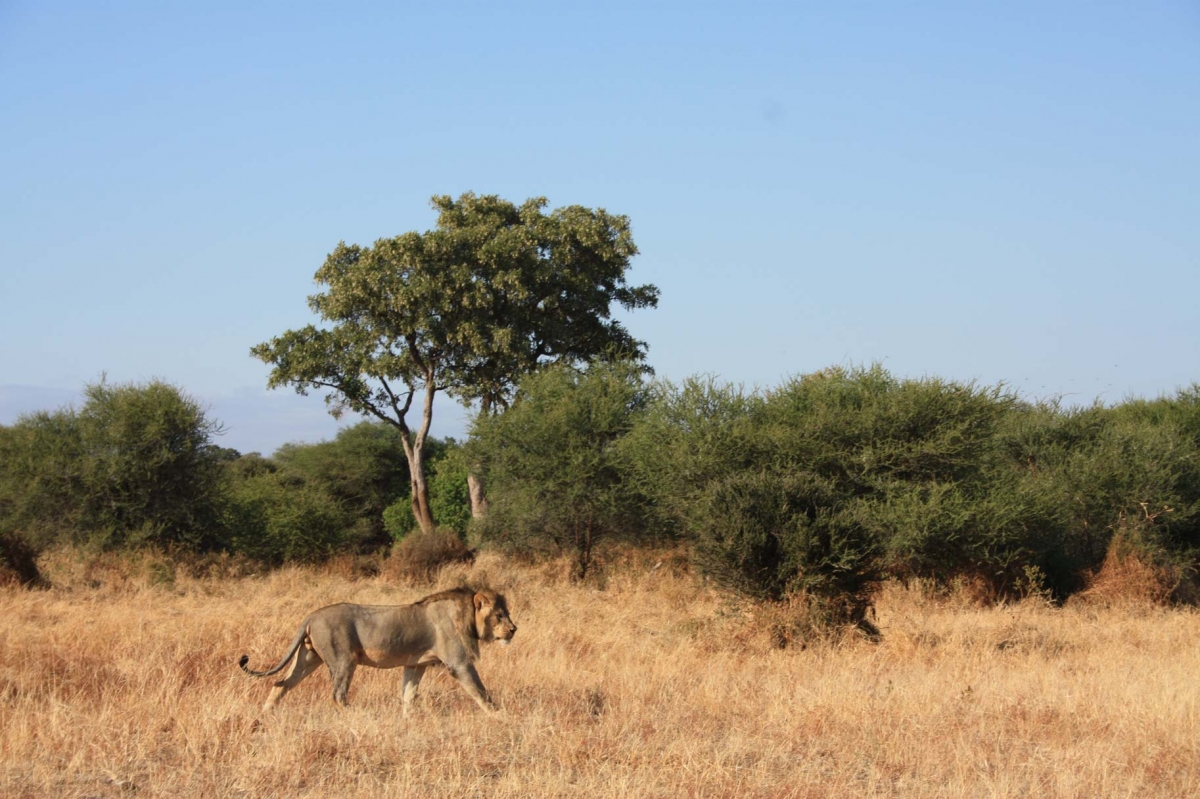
480	601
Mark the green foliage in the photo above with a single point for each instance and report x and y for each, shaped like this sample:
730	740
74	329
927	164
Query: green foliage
1075	476
840	463
942	531
838	478
448	496
818	488
357	482
1181	412
398	519
688	437
153	473
867	429
905	462
833	480
363	469
753	522
530	287
134	465
43	484
554	465
274	518
360	478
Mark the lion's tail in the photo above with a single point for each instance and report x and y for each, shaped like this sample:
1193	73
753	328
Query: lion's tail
278	667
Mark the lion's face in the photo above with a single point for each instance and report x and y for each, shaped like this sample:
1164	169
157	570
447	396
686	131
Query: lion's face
491	618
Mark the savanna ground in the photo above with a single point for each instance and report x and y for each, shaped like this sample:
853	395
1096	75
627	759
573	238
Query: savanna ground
645	684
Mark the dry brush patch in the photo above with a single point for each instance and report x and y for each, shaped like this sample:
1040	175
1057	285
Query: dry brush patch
647	686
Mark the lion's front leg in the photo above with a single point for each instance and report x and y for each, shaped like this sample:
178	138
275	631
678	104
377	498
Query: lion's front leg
410	683
468	678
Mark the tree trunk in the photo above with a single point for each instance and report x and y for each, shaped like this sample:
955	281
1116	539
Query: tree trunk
420	490
475	490
479	502
414	451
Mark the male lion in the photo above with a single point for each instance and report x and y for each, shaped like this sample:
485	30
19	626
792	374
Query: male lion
441	628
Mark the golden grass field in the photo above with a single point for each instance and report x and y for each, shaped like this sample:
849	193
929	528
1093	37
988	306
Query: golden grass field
645	685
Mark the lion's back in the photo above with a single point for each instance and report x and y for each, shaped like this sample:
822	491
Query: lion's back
386	636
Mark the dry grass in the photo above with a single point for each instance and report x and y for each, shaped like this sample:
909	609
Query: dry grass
646	685
1128	577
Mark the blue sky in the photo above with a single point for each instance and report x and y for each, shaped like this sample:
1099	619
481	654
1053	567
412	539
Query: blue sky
989	191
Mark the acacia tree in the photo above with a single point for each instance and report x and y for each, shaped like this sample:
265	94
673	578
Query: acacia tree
489	295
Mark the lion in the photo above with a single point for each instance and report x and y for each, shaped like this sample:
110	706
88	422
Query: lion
444	628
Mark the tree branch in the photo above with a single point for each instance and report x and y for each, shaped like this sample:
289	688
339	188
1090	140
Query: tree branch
400	413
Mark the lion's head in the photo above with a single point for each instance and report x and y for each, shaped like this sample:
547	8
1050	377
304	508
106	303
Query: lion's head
492	621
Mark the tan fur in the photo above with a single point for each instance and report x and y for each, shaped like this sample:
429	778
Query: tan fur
445	628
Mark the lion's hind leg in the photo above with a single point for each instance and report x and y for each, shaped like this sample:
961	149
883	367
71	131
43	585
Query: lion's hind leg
341	674
306	661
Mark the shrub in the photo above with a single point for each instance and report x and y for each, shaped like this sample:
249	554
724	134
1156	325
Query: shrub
842	473
1075	477
420	555
925	478
275	519
398	519
151	469
770	535
363	468
42	479
552	464
687	437
135	465
449	500
865	429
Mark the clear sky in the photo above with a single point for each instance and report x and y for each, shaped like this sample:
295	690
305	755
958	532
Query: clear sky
990	191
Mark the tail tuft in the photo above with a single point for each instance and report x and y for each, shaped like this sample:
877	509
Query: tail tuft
242	661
